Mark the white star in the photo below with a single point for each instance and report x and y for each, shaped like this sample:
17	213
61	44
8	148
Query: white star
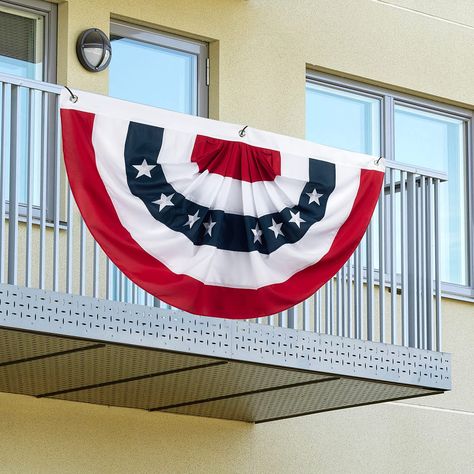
144	169
314	196
164	201
296	219
192	219
208	226
276	229
257	234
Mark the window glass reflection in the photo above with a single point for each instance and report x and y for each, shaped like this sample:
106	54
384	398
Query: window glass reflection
436	142
153	75
342	119
21	43
22	54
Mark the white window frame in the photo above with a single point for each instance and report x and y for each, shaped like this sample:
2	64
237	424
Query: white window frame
388	99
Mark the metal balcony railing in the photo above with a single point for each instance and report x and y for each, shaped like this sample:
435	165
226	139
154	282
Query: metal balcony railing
388	291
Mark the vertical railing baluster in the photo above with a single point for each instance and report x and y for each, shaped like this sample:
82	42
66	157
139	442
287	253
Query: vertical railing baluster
429	264
416	244
69	250
393	264
382	266
419	274
130	291
15	127
404	256
344	300
358	296
109	271
339	302
6	88
95	276
291	317
135	294
141	297
118	284
57	193
329	312
149	299
29	186
370	282
123	283
437	266
282	319
423	273
349	318
356	307
82	259
306	326
411	262
43	188
317	312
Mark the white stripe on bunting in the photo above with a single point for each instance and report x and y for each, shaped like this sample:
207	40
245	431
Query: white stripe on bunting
210	264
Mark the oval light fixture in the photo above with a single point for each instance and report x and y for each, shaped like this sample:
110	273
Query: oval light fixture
93	50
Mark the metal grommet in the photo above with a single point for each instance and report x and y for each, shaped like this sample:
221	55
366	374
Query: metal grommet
74	98
242	132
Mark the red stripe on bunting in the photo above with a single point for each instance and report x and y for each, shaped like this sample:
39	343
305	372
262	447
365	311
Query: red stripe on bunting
183	291
236	160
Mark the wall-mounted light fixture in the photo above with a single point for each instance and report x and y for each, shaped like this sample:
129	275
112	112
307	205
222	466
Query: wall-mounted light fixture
93	49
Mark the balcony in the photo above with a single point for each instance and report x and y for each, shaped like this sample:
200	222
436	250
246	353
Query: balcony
72	327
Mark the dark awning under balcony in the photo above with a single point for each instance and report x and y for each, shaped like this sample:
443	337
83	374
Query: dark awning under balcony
108	353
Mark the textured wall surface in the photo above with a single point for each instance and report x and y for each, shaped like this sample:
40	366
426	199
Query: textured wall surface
45	436
260	50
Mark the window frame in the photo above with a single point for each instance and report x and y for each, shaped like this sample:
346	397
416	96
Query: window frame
49	11
178	43
388	99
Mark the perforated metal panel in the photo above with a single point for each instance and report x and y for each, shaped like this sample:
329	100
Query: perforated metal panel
132	356
89	318
299	400
183	387
94	364
342	355
16	345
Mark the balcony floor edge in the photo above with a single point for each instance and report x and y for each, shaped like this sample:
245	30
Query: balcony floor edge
84	349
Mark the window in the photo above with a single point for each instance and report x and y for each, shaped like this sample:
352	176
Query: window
357	117
160	70
28	40
27	50
343	119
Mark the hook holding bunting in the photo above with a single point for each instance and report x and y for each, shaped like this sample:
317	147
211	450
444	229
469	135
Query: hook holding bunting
242	132
74	98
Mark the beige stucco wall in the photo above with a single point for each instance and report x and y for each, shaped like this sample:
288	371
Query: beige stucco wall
45	436
259	52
